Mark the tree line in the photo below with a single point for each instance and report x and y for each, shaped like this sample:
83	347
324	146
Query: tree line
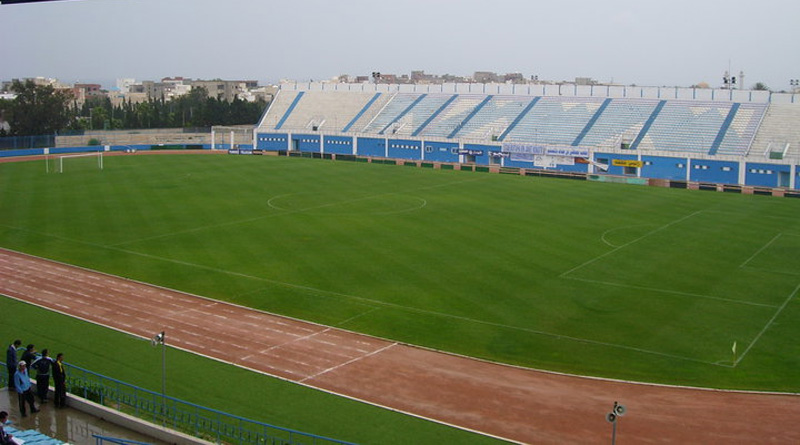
42	109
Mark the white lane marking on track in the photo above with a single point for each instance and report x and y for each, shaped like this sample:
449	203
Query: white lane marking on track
334	368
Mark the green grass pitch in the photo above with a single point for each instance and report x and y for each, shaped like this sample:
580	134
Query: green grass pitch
628	282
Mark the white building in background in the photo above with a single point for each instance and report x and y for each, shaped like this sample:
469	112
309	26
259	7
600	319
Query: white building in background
124	85
176	87
266	93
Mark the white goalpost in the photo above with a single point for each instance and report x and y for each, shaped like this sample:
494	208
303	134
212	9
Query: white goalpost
58	164
230	137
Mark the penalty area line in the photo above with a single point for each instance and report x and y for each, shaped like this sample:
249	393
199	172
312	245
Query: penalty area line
673	292
656	230
763	248
767	326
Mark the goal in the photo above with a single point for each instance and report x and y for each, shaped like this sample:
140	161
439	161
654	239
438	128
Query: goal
226	138
72	160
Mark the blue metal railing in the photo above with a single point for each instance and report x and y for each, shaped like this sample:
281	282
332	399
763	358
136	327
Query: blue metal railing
205	423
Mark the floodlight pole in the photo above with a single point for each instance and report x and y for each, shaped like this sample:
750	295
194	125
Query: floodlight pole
161	338
163	369
163	366
613	433
616	412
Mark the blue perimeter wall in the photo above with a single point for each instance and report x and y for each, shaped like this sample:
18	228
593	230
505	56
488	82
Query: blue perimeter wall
757	174
657	167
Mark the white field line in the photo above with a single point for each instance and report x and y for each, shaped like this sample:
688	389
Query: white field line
423	203
434	313
764	247
615	229
761	269
761	217
312	292
769	323
413	309
779	272
656	230
667	291
743	265
342	323
289	212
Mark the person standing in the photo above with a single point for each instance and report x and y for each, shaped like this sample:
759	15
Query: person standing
42	366
23	385
12	362
60	382
29	355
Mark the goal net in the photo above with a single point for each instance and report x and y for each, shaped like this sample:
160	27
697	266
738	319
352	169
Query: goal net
80	161
226	138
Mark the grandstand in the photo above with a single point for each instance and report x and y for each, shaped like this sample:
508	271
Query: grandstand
728	137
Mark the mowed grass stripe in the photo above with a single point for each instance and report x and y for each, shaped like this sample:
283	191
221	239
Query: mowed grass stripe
477	270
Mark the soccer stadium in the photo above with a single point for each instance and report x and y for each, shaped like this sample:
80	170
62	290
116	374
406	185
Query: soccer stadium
729	139
458	263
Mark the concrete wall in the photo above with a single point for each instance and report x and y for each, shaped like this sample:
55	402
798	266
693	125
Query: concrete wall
139	137
133	423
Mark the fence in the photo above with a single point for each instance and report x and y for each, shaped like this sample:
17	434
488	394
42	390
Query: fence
79	138
19	142
205	423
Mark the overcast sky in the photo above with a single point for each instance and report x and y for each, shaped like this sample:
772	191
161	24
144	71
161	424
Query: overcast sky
643	42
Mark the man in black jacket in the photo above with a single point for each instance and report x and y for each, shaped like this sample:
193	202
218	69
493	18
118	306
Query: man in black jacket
29	355
42	366
60	382
12	361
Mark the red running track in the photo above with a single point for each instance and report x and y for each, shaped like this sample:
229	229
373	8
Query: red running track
517	404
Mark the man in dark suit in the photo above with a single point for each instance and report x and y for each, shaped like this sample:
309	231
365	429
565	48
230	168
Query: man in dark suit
12	361
60	382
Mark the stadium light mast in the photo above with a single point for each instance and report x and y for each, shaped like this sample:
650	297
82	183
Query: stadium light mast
616	412
728	81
